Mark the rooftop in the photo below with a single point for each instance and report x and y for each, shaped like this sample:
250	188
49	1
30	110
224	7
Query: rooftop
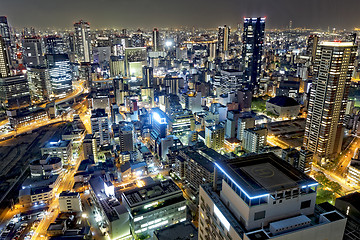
180	231
263	174
337	44
57	144
353	199
283	101
151	192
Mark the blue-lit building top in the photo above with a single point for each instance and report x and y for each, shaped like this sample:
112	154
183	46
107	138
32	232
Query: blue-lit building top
256	178
159	122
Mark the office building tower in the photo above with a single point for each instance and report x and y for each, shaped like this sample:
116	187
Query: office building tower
153	206
215	137
5	31
244	122
33	51
83	46
182	123
253	41
60	75
39	85
334	66
159	122
173	84
117	66
311	46
223	39
14	92
212	51
54	45
126	137
137	39
148	76
4	59
100	126
254	139
156	40
263	197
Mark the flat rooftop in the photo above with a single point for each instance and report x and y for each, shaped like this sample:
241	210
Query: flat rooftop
151	192
180	231
263	174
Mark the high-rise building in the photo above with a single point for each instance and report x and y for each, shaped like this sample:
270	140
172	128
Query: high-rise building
253	41
311	47
244	122
4	59
215	137
156	40
254	139
306	159
147	77
263	197
5	31
14	92
83	46
223	39
137	39
100	126
39	85
117	66
54	45
60	75
334	65
33	51
126	138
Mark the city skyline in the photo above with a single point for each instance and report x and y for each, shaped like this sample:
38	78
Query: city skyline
310	14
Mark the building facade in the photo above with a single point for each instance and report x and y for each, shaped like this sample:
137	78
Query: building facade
334	65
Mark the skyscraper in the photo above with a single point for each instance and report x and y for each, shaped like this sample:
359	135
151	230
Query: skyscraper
4	60
156	40
14	92
334	65
60	74
54	45
126	138
4	31
253	40
38	77
83	41
147	77
137	39
223	39
100	126
33	51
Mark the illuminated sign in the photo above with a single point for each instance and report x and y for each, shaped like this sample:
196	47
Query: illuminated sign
221	218
151	205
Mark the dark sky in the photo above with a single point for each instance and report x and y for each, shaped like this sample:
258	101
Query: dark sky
172	13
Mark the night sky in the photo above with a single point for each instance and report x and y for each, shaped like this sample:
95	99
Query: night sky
172	13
